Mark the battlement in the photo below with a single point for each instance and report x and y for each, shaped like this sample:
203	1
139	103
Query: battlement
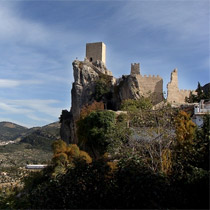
135	68
152	76
185	91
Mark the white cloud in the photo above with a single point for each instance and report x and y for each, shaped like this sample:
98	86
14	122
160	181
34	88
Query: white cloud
13	108
39	119
12	26
182	19
8	83
30	106
35	111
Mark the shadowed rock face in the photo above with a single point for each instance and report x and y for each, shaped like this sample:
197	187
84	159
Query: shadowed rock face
86	76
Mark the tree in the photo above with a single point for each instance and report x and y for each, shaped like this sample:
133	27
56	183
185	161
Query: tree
184	151
189	172
65	155
200	93
102	88
185	129
152	136
93	129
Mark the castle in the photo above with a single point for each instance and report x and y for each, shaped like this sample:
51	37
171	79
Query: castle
148	85
133	86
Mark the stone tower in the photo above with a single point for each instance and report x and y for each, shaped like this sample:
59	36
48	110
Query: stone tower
175	95
135	68
96	51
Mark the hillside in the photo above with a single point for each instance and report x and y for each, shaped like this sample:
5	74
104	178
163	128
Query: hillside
33	145
42	137
11	131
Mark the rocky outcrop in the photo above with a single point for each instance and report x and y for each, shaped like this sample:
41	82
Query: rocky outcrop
88	77
83	90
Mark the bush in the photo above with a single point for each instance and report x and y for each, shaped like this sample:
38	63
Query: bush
135	105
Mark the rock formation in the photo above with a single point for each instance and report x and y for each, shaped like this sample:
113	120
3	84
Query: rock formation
84	91
86	74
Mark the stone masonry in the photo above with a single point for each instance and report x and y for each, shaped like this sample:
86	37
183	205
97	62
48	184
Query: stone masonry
151	86
135	68
96	51
175	95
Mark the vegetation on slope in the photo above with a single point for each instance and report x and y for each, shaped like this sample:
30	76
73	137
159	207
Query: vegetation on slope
145	159
203	93
10	131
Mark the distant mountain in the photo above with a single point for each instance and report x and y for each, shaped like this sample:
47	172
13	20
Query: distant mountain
21	145
42	137
11	131
37	136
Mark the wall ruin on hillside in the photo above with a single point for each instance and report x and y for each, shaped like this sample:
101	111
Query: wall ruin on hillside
175	95
151	86
148	86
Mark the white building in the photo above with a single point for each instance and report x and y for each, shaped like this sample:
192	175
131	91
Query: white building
32	167
200	109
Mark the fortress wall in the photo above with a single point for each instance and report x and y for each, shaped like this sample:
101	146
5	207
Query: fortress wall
151	86
175	95
183	94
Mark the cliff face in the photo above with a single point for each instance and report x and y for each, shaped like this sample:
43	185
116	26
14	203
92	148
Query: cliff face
93	82
83	90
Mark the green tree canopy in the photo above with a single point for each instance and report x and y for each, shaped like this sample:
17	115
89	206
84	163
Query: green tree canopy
93	129
135	105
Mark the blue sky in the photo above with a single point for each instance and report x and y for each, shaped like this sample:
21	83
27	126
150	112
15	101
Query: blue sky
40	39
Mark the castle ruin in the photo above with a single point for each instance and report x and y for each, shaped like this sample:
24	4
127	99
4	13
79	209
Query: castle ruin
132	86
175	95
148	85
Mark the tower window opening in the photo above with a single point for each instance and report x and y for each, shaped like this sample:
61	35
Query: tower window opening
91	59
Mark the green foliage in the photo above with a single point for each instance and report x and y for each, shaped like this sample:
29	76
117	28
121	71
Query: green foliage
169	170
102	88
190	171
202	144
9	199
93	129
135	105
97	186
201	94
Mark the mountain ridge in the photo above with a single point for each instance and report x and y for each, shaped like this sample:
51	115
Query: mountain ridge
11	132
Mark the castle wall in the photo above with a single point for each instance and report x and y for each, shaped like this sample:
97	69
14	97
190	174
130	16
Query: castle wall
96	51
175	95
151	86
